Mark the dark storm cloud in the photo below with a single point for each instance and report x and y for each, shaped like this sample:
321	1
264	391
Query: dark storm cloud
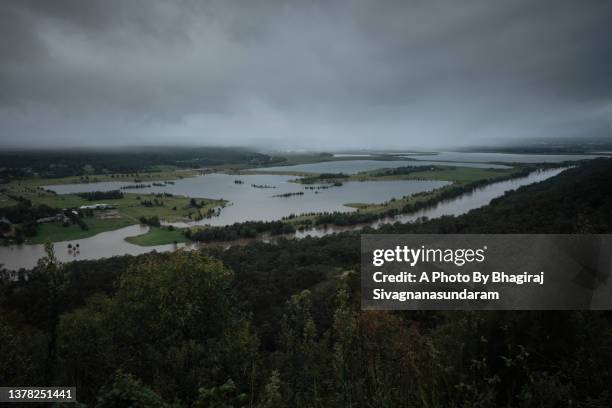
306	74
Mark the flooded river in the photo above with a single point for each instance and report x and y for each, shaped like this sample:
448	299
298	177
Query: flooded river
113	243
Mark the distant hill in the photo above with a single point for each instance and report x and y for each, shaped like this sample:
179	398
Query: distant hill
76	162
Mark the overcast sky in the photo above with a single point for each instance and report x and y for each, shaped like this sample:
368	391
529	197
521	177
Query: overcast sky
303	74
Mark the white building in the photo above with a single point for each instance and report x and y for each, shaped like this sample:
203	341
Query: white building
100	206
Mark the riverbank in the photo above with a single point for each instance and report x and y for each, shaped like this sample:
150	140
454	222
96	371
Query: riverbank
129	209
366	213
463	180
460	176
133	207
113	243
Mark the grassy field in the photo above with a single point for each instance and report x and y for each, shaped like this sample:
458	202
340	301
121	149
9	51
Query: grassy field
396	202
158	236
175	208
131	207
55	232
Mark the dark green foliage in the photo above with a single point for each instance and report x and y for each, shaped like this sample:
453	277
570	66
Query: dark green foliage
101	195
323	178
25	212
409	170
272	397
81	223
286	195
152	203
223	396
171	323
25	215
268	274
243	230
23	351
126	391
194	203
152	221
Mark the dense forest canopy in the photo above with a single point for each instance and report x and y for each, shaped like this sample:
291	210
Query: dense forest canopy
242	230
279	324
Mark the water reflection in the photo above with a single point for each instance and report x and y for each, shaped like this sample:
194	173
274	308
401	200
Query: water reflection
454	206
103	245
356	166
250	203
113	243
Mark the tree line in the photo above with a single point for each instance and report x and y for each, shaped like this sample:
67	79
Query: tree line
323	178
361	217
243	230
76	162
101	195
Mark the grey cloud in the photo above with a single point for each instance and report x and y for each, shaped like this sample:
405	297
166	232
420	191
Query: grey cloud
315	74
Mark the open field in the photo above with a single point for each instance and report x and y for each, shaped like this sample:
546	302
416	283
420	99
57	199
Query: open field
130	208
398	203
55	232
174	208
